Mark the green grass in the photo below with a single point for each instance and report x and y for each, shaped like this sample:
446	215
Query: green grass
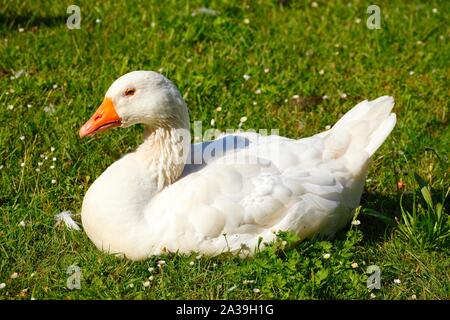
207	57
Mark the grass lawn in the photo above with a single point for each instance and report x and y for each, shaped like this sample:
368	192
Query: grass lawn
322	53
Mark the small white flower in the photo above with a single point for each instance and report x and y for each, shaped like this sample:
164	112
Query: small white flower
258	91
324	97
42	156
38	170
55	86
435	10
52	167
2	285
286	100
153	24
22	138
411	73
256	290
245	282
214	265
10	107
356	222
21	29
284	242
191	263
218	109
295	97
151	278
419	42
98	20
198	257
32	274
266	70
22	224
146	284
29	106
151	269
314	4
246	21
1	167
160	263
213	122
54	159
52	149
321	72
255	103
131	285
14	275
327	127
354	265
243	119
161	70
22	164
414	297
372	296
358	20
247	77
53	181
40	164
397	281
343	95
45	158
326	256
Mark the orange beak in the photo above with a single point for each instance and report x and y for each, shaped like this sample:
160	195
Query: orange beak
104	118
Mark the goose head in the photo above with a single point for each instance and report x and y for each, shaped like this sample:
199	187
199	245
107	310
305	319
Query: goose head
144	97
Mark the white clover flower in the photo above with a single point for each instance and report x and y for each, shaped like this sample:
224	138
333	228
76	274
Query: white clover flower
414	297
356	222
22	138
247	77
52	167
256	290
55	86
52	149
98	20
2	285
258	91
246	21
53	181
326	256
14	275
151	278
397	281
146	284
321	72
40	164
54	159
22	164
266	70
45	158
354	265
191	263
10	107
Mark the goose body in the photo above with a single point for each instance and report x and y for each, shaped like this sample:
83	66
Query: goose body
223	195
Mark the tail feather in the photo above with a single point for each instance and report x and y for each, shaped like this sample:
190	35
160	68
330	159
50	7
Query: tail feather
365	127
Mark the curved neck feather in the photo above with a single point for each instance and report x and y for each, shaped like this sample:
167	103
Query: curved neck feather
165	150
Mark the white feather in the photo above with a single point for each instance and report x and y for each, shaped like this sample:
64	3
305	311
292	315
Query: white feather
66	217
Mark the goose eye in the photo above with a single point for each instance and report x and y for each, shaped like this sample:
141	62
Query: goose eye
130	92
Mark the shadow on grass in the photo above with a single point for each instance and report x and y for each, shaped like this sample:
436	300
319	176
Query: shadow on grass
10	21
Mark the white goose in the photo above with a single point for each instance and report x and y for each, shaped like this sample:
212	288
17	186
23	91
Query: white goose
150	201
